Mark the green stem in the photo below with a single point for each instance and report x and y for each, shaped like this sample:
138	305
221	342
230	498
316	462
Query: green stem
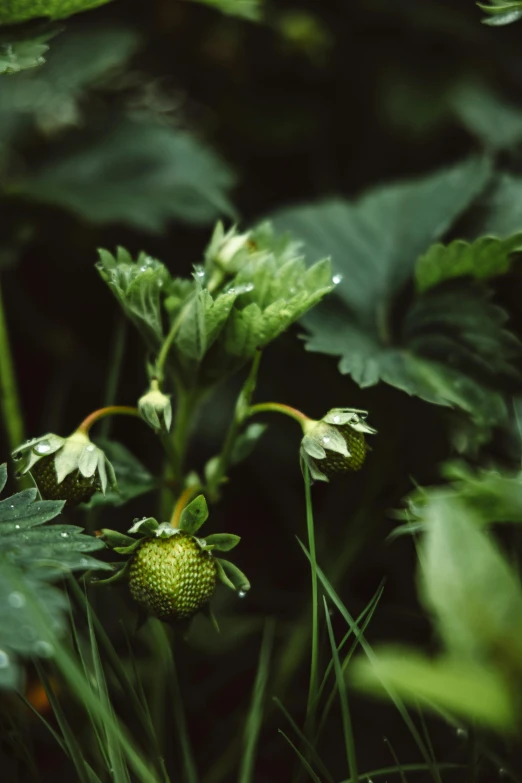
242	412
110	410
9	399
167	343
312	689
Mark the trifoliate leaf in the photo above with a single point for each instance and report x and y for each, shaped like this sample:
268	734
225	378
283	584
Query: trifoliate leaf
194	515
482	259
466	582
134	172
375	244
375	241
21	10
472	691
138	287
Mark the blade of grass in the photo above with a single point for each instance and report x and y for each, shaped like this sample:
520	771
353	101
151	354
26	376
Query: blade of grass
255	715
314	660
375	773
395	758
118	767
46	723
371	656
117	351
310	747
349	743
165	650
301	758
74	751
346	661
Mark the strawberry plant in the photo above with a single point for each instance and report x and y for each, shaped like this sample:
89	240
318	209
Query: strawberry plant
228	305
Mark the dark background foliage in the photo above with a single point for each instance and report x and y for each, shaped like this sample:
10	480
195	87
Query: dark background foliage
369	98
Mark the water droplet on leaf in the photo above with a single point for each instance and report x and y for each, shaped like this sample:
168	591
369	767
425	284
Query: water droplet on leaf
336	279
4	659
64	535
241	593
43	649
43	447
16	600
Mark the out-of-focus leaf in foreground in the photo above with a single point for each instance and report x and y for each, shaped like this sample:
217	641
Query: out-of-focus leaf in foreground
12	11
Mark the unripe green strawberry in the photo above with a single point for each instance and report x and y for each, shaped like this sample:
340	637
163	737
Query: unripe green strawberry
172	577
336	443
338	463
70	469
74	489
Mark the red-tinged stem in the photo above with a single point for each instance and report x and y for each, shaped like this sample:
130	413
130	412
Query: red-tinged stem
277	407
111	410
181	504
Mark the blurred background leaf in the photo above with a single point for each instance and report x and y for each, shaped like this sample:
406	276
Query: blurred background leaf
22	10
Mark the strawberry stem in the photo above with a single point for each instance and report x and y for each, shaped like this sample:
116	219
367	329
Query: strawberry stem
277	407
110	410
9	398
181	504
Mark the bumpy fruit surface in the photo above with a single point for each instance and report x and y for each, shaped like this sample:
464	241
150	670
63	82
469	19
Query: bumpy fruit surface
336	463
74	489
172	577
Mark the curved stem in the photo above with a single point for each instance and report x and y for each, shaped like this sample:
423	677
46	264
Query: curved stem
165	348
277	407
182	502
9	399
110	410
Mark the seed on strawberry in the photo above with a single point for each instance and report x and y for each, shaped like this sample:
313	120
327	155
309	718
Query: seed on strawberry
172	577
338	463
74	489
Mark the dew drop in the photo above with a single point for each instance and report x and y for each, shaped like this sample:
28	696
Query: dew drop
337	419
17	527
43	649
326	439
241	593
90	447
64	535
336	279
4	659
84	561
16	600
43	447
11	505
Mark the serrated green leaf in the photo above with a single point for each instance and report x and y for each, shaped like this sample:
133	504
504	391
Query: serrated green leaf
472	691
223	542
194	515
202	323
140	173
246	442
138	287
468	585
21	10
31	558
373	242
482	259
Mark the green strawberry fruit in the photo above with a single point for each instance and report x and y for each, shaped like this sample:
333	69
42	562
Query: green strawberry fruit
338	463
74	489
172	577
